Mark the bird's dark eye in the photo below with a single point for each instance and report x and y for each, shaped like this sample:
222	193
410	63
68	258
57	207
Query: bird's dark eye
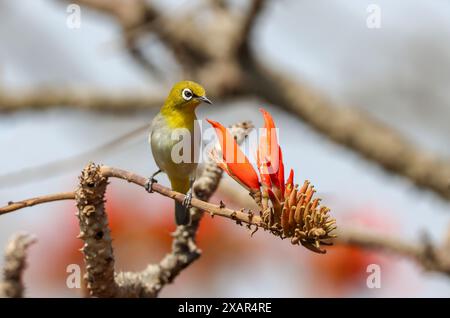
187	94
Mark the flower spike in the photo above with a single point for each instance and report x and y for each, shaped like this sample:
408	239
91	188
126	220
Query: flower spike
287	210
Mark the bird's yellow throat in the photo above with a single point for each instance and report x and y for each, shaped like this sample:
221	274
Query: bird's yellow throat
180	117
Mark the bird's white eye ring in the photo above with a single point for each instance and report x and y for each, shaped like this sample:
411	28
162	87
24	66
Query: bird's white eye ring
187	94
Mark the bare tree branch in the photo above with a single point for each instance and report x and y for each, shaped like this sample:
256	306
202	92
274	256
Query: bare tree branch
84	99
438	260
15	264
430	257
13	206
129	13
99	258
256	7
97	178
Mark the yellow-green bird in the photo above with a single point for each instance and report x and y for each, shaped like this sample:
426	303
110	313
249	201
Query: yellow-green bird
176	117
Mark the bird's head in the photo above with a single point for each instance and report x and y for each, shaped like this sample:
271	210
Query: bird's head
186	95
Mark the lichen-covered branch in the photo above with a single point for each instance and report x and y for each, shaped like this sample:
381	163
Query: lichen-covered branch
14	266
99	258
94	231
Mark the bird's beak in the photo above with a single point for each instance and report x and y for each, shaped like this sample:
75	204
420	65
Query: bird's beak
204	99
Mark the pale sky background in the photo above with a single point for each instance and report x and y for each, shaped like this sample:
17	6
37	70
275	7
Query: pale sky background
399	73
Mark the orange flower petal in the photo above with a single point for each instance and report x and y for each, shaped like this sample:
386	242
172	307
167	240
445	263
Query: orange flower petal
263	170
280	170
269	150
290	180
237	163
273	176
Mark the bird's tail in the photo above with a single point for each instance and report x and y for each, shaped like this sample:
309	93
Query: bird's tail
182	216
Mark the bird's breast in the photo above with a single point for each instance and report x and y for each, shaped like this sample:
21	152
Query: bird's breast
175	150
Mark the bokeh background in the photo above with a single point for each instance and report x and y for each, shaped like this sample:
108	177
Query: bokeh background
399	74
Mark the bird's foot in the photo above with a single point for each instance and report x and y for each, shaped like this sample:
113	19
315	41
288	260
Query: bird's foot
149	184
187	200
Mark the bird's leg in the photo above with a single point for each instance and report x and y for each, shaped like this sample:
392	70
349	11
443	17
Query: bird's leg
151	180
188	198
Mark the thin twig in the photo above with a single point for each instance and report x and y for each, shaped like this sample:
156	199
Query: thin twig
13	206
110	172
212	209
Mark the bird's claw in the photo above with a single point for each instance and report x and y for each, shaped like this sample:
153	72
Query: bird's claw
149	184
187	200
150	181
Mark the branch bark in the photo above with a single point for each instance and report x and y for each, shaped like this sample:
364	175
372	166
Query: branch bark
13	206
94	231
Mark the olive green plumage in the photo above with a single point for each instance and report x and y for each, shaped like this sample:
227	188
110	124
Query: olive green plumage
177	116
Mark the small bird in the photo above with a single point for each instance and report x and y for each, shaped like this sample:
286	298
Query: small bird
177	117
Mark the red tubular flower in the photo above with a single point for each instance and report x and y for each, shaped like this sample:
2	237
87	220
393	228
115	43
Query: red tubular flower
286	210
264	157
270	157
235	163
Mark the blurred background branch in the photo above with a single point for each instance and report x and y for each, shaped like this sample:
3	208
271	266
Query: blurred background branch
82	99
430	257
14	266
221	57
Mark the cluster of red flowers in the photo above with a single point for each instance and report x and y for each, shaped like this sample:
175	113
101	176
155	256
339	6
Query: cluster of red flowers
287	210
